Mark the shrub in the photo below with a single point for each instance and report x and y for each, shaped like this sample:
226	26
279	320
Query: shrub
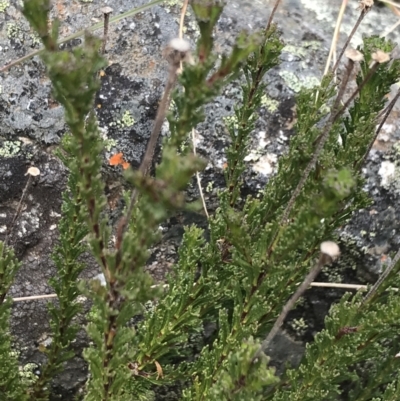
244	276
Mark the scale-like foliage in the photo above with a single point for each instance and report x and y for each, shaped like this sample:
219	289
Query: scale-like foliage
237	277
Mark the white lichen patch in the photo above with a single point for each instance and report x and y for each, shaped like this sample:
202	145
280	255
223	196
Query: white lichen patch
387	173
262	139
266	165
9	148
29	223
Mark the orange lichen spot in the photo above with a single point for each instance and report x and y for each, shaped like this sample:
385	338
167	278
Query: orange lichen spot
118	159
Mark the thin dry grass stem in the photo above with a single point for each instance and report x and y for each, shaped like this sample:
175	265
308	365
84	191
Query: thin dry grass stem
390	29
198	178
343	286
392	3
34	297
384	114
363	13
80	33
50	296
182	18
181	24
271	17
335	37
329	252
313	284
381	279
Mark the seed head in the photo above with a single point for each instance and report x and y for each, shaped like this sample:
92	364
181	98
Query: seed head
330	249
365	5
354	55
33	171
380	56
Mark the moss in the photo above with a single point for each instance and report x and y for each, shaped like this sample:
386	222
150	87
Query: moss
10	148
3	5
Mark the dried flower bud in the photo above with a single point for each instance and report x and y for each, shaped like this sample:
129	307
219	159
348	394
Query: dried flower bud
365	5
33	171
180	45
330	249
380	56
106	10
354	55
178	50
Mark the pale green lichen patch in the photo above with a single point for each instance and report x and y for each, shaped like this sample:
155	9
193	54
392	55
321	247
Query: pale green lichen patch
35	39
3	5
296	50
125	121
302	50
14	32
27	374
270	104
299	326
295	83
108	143
9	148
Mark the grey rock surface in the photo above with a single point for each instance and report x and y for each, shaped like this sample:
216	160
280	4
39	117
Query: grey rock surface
32	125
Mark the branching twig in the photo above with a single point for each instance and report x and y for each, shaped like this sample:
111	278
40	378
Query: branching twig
364	11
385	114
271	17
324	137
329	252
175	57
